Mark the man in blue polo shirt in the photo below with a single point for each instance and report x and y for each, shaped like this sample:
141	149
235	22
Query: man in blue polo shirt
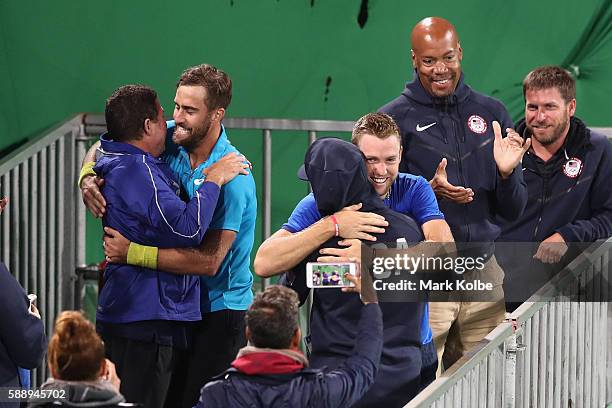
196	140
377	136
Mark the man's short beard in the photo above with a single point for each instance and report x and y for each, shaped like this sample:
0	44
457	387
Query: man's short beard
198	136
557	133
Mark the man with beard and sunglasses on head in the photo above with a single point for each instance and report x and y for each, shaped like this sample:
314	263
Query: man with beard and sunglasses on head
196	139
568	171
452	137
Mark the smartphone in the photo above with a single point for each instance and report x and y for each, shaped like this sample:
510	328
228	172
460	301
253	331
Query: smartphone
32	297
329	275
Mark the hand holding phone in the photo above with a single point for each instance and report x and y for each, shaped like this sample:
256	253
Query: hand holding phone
329	275
363	285
32	309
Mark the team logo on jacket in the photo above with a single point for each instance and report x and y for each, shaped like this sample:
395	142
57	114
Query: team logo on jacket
572	167
477	124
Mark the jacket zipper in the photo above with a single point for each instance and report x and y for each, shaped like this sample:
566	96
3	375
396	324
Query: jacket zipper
460	172
543	198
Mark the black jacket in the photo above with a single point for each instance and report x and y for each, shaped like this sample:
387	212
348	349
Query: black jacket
573	198
22	335
338	175
570	194
308	387
459	128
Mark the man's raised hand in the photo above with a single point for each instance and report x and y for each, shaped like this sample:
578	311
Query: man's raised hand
508	151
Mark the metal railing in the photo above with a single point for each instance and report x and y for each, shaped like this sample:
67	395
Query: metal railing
38	227
547	354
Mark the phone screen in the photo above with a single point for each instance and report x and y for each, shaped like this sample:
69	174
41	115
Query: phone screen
329	275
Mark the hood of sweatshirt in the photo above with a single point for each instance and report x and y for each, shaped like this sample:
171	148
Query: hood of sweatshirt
84	393
337	172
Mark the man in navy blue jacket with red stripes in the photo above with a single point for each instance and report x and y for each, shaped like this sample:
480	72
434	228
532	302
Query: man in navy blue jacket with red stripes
452	137
568	173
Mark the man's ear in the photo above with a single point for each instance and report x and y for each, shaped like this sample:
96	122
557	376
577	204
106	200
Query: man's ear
295	340
247	333
102	368
572	107
413	56
219	114
146	126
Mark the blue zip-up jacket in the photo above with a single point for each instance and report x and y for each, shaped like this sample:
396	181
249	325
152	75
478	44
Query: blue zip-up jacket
143	204
309	387
570	194
337	172
459	128
22	335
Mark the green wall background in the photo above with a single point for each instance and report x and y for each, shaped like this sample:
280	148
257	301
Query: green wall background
62	57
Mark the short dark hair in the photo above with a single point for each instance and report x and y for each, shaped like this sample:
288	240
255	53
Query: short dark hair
273	317
126	111
376	124
217	83
551	76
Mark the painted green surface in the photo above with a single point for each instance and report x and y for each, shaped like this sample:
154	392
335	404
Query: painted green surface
62	57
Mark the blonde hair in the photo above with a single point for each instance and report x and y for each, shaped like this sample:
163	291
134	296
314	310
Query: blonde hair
376	124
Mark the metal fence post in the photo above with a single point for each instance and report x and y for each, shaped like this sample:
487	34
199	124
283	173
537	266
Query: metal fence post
267	191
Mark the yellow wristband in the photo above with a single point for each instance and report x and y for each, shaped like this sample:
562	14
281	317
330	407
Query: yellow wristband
142	255
86	170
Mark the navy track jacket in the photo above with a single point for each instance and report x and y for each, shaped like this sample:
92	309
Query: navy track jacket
571	193
459	128
143	204
22	335
309	387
